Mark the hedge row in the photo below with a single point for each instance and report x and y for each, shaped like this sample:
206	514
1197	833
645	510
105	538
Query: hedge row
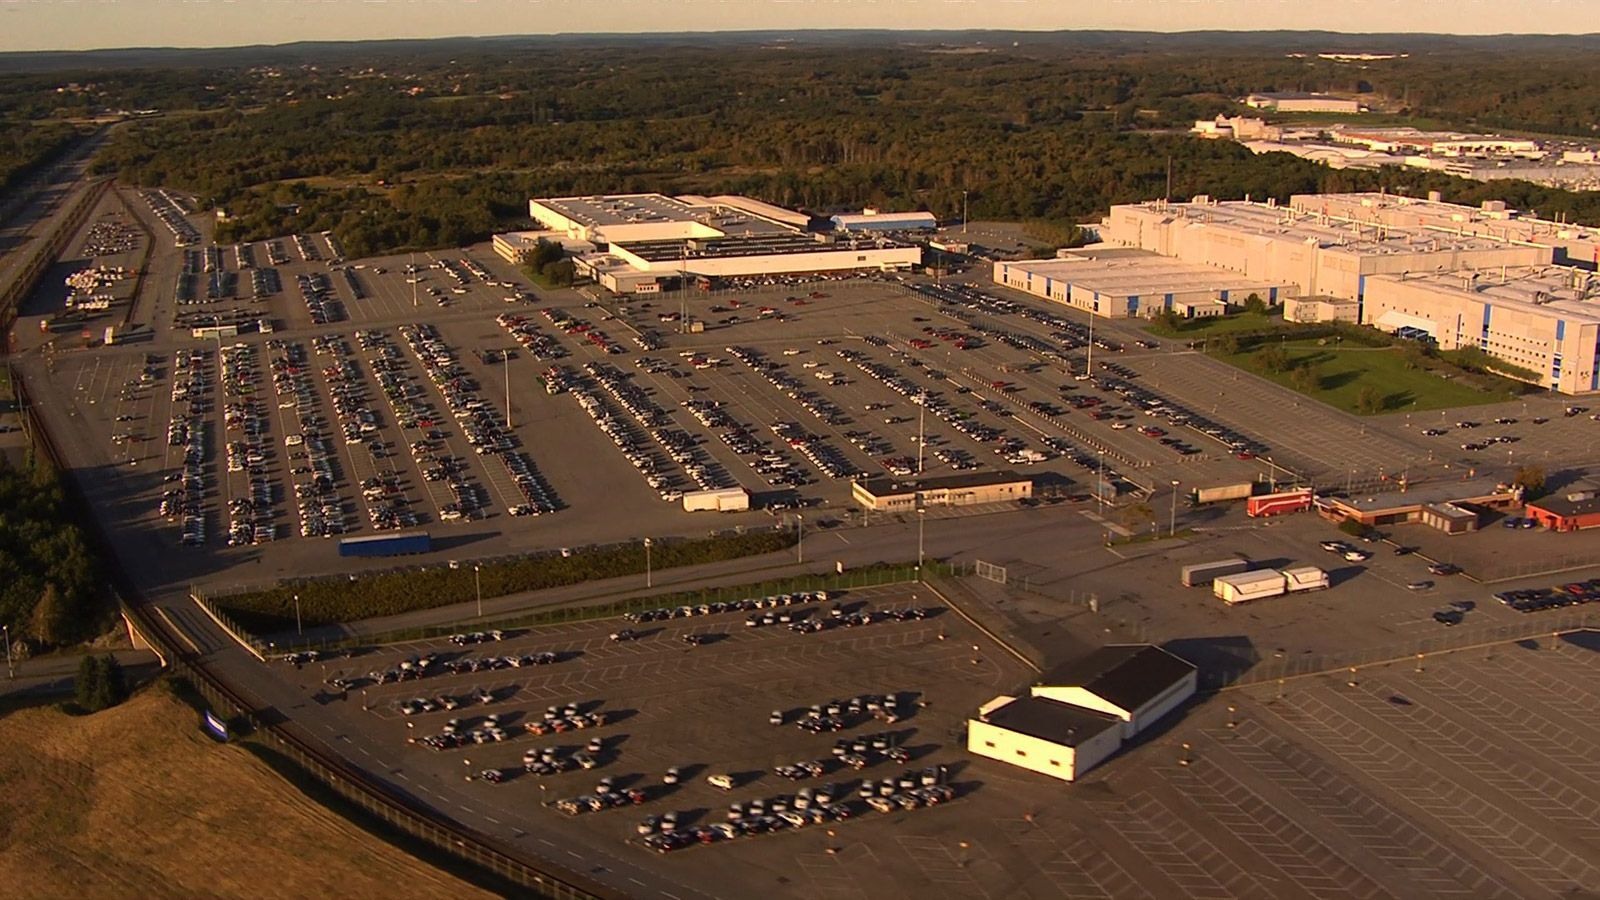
330	601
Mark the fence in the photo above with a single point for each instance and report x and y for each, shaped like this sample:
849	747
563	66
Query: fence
1505	568
989	571
859	578
1537	625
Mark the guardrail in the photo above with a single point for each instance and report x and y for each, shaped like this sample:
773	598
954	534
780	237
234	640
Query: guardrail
348	781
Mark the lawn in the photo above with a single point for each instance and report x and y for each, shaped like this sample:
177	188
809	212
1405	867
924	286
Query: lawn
136	802
1344	371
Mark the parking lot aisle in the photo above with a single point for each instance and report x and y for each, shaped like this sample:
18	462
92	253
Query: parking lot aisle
1370	833
1454	805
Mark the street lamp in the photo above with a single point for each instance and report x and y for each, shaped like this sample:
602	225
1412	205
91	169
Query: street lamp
799	538
647	562
11	671
922	512
297	627
1100	477
1172	522
963	212
477	584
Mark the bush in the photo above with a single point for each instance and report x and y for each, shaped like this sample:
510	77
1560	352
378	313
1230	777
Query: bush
100	683
346	600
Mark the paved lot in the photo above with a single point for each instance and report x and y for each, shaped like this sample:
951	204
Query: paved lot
1471	778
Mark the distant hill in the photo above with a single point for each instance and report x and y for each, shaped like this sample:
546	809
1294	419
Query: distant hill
445	48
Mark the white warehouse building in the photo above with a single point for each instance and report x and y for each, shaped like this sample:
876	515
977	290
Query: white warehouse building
645	241
1079	714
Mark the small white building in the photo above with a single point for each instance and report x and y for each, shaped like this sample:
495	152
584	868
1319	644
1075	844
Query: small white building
1045	736
1079	714
735	499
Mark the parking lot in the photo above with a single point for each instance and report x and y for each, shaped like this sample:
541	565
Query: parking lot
1405	784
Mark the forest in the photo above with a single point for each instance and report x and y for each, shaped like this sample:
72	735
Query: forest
443	144
49	581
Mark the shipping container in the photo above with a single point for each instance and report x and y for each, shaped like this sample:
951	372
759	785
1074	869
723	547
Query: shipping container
387	544
1202	574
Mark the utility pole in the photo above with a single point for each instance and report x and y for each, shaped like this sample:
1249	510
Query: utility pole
297	627
1172	521
477	585
922	436
922	512
505	359
800	538
413	277
11	670
963	212
647	562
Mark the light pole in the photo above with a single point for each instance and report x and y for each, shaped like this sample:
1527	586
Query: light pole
922	512
11	670
963	212
297	627
647	562
505	358
799	538
1172	521
922	434
1100	477
477	585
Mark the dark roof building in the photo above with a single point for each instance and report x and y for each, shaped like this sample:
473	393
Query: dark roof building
1127	675
1049	720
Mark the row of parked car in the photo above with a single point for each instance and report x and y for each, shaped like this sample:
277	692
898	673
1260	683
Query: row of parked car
527	333
1537	599
771	601
185	501
313	474
321	302
245	419
388	506
167	208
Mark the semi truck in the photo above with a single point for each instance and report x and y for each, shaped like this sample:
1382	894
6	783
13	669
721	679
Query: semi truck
386	544
1277	504
1202	574
1247	586
1224	492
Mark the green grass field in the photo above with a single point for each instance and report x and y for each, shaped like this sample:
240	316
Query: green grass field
1344	371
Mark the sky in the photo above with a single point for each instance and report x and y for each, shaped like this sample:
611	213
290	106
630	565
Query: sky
93	24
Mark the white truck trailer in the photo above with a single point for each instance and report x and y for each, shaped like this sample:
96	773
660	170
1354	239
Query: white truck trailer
1305	578
1247	586
724	500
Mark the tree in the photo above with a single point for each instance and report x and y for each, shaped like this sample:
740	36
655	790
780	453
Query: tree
51	625
1531	479
1369	400
1305	378
1167	320
1227	344
1254	303
101	683
1273	359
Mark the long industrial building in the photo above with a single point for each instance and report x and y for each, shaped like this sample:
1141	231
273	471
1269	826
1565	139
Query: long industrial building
643	242
1128	283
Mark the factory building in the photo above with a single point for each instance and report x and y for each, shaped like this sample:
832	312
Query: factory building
1079	714
1320	254
871	220
968	489
1297	101
512	244
1127	283
1571	243
645	242
1545	320
1451	507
